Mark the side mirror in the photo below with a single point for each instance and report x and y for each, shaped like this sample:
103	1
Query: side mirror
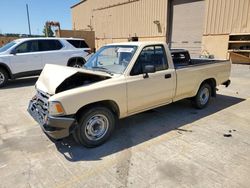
148	69
13	52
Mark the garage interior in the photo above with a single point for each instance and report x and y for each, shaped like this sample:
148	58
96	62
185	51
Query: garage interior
204	27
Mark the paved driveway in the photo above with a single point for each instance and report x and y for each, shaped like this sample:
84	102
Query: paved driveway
172	146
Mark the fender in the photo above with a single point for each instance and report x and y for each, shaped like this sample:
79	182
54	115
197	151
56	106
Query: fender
212	82
7	68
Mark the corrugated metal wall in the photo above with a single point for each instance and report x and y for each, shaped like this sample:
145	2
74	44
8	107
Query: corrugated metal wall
82	14
116	20
227	16
122	18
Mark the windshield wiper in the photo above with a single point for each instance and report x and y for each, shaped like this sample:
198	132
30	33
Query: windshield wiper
103	70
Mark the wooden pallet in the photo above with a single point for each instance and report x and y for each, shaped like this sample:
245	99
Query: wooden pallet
239	48
239	59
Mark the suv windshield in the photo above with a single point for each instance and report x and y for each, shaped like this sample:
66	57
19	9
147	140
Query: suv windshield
111	59
7	46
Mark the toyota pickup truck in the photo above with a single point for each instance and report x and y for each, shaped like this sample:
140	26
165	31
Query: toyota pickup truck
120	80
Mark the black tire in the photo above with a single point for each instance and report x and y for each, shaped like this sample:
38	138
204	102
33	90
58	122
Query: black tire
202	97
74	134
76	63
3	77
96	118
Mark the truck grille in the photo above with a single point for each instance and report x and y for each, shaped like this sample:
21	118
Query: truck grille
42	100
39	107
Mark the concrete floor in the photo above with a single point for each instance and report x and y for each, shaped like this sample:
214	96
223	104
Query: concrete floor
172	146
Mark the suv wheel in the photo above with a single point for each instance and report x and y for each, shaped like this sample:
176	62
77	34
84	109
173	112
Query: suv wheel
203	96
95	127
3	77
76	63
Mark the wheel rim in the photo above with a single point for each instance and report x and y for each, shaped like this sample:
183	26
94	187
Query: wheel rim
204	96
2	78
77	65
97	127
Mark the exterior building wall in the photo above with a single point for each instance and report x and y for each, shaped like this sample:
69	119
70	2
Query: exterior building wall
222	18
118	20
101	42
82	14
215	45
227	16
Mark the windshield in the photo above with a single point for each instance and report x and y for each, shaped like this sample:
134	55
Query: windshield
111	59
7	46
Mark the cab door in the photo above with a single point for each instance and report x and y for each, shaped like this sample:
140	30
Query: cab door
154	89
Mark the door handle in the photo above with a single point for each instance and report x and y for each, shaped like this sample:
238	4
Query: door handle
168	76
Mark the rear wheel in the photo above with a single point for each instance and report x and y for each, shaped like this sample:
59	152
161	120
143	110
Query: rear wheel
203	96
3	77
76	63
95	126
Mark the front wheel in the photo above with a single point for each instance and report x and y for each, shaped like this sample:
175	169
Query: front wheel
3	77
95	126
203	96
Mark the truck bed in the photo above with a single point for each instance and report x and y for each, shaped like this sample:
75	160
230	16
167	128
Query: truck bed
189	77
181	59
197	62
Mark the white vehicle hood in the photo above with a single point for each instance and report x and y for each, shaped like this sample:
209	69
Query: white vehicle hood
53	76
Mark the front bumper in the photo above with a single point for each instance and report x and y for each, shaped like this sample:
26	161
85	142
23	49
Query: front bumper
55	127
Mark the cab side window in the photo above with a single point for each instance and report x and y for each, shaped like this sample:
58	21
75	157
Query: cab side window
150	55
26	47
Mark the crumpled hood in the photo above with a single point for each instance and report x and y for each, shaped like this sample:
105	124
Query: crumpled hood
53	75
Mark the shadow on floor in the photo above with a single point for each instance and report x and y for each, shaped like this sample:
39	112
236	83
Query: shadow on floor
22	82
142	127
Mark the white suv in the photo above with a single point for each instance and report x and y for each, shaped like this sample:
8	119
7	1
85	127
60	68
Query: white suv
27	56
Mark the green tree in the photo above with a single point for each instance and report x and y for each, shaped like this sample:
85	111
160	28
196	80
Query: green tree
48	32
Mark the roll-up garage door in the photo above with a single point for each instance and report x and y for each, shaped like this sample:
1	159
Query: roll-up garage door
187	25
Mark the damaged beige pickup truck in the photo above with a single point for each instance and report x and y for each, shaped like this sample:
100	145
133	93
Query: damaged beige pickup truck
120	80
